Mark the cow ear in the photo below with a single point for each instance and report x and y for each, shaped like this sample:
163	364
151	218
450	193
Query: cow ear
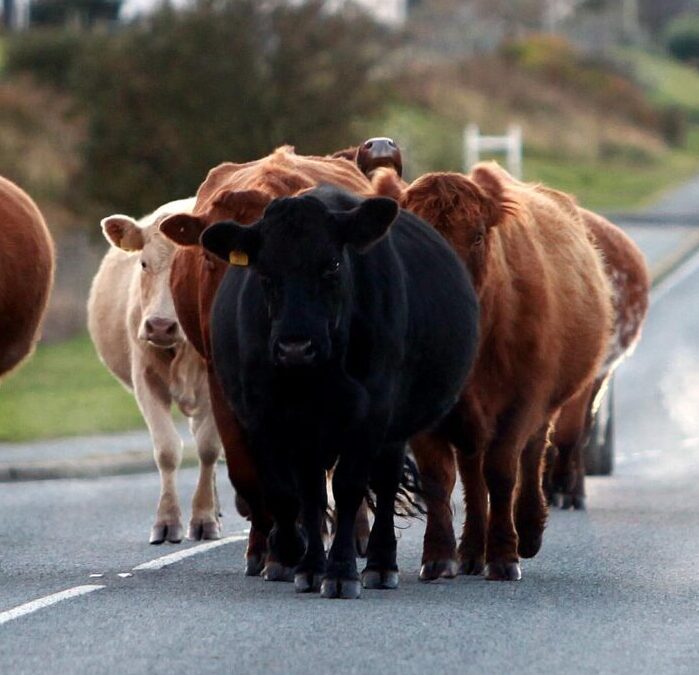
495	204
123	232
183	228
364	225
387	183
235	244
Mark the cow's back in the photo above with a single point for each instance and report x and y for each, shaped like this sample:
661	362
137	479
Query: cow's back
113	312
26	273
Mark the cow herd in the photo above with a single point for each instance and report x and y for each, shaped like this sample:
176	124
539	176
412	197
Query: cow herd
327	323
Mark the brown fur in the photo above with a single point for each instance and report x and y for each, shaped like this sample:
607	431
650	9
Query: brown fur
26	274
545	322
627	272
240	192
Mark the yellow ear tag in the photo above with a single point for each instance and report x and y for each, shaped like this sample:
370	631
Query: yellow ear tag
238	258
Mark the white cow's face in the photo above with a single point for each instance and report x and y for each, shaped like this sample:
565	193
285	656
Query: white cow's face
159	324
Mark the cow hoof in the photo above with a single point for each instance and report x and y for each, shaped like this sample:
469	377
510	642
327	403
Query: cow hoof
162	532
579	503
436	569
254	565
565	501
472	567
380	579
275	571
346	589
362	544
501	570
529	546
307	582
203	530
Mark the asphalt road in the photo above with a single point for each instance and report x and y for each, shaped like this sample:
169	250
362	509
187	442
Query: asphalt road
614	590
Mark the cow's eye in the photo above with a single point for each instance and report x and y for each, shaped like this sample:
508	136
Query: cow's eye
143	264
332	269
478	240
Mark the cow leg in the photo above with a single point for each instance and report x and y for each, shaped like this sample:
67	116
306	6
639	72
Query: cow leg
362	530
205	523
155	402
350	480
381	570
531	511
314	501
242	474
500	468
435	459
473	536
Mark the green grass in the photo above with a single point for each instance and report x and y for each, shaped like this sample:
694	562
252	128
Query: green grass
667	81
64	390
617	184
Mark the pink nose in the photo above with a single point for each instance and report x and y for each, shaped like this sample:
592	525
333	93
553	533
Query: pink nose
161	330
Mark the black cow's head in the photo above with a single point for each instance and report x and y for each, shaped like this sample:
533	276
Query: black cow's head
298	251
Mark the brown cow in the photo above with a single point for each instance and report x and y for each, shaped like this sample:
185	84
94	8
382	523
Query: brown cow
545	321
626	269
26	274
132	322
240	192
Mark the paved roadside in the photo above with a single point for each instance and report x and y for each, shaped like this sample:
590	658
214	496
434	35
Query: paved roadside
665	245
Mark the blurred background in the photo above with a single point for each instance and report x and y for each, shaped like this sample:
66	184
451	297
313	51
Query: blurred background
121	105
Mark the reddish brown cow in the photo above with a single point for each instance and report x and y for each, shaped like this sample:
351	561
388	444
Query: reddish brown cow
26	274
545	321
239	192
626	269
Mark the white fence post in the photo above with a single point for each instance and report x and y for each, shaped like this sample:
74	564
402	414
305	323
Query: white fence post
511	144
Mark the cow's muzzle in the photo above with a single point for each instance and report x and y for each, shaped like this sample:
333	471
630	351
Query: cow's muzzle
294	353
161	332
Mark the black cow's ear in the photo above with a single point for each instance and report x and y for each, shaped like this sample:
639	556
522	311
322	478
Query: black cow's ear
233	243
364	225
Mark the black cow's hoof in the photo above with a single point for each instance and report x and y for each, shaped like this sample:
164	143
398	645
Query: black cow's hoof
162	532
501	570
380	579
254	565
307	582
204	530
438	569
275	571
472	567
579	503
346	589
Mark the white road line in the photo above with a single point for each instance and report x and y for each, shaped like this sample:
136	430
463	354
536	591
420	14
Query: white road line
172	558
47	601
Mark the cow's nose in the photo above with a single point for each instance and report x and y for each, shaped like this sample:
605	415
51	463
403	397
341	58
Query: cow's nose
377	152
295	352
160	330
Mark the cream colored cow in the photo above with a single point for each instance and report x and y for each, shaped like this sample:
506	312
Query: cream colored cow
132	321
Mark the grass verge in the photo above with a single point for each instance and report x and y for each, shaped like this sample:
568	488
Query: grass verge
64	390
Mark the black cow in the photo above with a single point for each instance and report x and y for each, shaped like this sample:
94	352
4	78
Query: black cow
335	340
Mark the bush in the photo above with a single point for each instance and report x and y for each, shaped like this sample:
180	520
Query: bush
168	98
48	54
682	38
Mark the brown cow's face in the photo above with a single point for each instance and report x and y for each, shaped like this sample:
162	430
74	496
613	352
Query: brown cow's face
462	211
159	324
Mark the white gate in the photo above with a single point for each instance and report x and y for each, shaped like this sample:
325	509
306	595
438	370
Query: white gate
511	144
